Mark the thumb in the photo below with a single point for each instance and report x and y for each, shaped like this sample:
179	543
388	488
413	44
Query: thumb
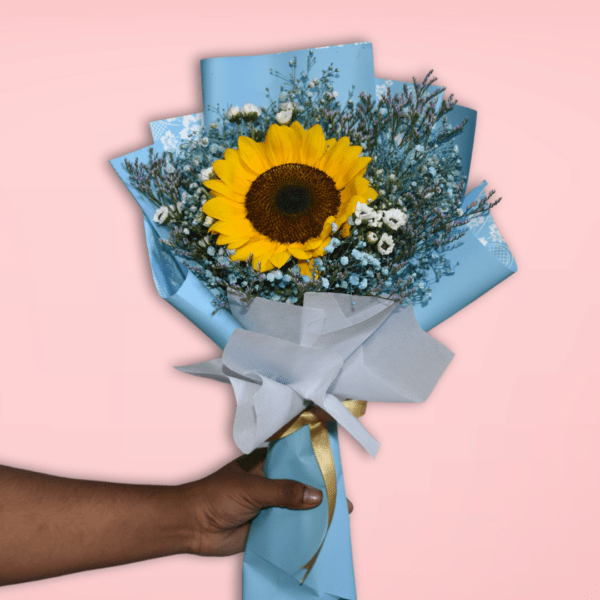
284	493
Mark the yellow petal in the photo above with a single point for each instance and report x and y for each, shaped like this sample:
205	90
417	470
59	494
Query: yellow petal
358	186
304	268
266	266
253	155
346	165
274	248
294	138
312	244
278	145
222	189
298	129
234	227
280	258
353	152
267	258
233	156
265	263
221	208
231	242
299	253
256	248
230	172
369	192
314	145
297	135
308	268
302	136
321	249
332	159
347	209
356	169
326	231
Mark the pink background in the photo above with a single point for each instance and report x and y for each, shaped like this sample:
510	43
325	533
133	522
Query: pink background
490	489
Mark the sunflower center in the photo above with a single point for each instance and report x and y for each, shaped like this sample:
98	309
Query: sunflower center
290	203
292	199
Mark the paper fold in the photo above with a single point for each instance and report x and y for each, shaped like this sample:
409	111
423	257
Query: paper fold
360	348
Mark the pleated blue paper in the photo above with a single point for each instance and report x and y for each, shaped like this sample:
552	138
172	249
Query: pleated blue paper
282	541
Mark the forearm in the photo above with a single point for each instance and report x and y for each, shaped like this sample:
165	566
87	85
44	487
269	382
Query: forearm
52	526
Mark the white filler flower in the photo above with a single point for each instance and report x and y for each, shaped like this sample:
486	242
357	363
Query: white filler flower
394	218
285	106
386	244
284	117
251	109
233	113
161	215
206	174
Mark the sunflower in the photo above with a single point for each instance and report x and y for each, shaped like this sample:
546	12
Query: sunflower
278	199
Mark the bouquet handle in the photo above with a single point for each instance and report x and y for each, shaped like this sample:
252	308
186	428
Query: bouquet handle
282	542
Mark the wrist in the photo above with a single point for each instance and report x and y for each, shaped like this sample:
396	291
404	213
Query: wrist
184	514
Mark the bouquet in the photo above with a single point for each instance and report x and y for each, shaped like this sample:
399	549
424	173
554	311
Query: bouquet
314	228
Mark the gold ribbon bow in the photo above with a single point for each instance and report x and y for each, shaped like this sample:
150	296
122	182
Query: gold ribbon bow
322	449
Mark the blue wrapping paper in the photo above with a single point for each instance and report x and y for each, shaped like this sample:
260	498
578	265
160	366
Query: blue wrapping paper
282	541
237	80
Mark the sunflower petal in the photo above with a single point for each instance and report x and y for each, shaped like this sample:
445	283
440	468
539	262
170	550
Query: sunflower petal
233	227
265	263
297	134
315	145
359	186
298	128
233	156
302	142
280	258
279	145
306	267
233	174
348	209
312	244
299	253
357	169
232	242
222	208
346	164
253	155
256	248
292	137
333	158
273	249
221	188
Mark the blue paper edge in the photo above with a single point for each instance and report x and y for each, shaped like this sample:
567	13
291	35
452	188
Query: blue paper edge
228	91
192	296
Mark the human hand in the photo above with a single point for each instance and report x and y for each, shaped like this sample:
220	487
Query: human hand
222	505
56	525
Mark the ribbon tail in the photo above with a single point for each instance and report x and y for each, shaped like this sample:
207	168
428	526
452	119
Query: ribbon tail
322	449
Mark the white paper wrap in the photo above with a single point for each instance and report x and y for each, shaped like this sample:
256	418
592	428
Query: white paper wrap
333	348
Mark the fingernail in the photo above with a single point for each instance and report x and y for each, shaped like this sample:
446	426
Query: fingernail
311	495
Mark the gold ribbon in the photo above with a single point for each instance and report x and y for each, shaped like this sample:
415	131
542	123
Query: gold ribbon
322	449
